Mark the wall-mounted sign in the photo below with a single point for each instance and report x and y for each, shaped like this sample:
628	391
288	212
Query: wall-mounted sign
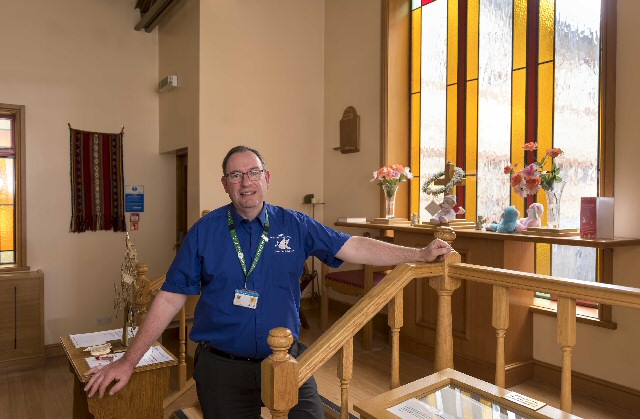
134	198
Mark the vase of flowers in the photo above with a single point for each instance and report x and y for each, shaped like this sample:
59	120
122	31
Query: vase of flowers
535	176
553	204
389	177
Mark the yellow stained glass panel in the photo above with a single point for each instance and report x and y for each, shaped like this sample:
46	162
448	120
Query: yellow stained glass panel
547	30
473	16
518	126
6	227
545	108
472	128
452	42
471	191
416	46
452	123
519	34
543	258
415	153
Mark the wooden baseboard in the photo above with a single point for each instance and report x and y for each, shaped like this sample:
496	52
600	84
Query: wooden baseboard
586	386
53	350
37	361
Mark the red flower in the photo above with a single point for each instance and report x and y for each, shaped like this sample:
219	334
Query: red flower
530	146
516	179
532	184
507	169
554	152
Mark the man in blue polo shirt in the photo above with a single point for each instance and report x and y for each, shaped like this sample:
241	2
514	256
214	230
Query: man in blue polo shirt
245	260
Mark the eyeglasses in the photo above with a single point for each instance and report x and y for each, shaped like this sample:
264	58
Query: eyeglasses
253	175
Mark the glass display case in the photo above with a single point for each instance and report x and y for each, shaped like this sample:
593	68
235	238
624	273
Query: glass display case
449	394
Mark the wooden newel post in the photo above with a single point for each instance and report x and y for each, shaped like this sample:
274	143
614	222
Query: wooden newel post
444	286
280	374
142	292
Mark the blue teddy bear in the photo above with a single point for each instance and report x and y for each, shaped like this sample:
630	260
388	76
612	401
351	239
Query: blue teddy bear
509	222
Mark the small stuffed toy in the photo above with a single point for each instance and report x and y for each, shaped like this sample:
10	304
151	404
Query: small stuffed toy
534	216
509	222
448	210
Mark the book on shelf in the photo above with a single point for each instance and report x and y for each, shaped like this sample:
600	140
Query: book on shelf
390	221
596	218
352	220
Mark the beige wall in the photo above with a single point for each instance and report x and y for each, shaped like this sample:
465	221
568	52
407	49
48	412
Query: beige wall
612	354
179	54
81	62
262	85
352	78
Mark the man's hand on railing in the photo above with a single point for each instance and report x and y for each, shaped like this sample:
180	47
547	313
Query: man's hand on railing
435	251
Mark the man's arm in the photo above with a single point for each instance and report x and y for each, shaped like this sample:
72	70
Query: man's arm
364	250
164	307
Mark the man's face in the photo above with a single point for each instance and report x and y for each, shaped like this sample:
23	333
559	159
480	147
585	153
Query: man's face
247	196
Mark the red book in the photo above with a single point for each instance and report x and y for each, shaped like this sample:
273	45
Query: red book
596	218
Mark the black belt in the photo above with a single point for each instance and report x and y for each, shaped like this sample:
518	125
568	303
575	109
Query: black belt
224	354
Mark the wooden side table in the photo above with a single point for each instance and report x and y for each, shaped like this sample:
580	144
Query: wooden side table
142	397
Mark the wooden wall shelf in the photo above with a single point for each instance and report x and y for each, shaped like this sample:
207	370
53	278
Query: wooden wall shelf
530	238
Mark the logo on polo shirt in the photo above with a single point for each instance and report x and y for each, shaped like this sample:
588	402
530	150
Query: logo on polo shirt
282	243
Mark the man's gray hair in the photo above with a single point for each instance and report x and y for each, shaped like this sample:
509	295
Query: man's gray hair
240	149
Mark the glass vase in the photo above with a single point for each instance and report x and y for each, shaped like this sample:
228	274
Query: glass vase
554	196
390	191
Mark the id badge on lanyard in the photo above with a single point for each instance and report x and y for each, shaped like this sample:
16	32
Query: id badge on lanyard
245	297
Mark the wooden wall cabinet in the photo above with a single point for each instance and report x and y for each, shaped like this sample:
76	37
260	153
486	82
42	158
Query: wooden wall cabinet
21	319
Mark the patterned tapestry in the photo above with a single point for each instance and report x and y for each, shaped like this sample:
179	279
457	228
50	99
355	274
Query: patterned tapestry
97	181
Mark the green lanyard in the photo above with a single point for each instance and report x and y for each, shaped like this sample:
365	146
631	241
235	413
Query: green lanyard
236	244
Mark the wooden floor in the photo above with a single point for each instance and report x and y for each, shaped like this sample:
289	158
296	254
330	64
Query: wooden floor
47	392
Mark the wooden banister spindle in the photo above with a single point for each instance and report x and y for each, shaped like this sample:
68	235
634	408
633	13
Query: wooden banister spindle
280	374
367	330
395	323
143	292
444	286
566	340
345	373
500	321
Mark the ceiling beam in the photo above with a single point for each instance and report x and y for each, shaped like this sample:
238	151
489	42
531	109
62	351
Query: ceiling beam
154	15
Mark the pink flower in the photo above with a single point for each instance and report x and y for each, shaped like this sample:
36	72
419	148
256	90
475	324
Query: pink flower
530	146
520	191
392	174
532	184
554	152
531	170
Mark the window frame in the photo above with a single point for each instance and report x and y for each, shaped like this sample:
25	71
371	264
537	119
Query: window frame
396	112
20	229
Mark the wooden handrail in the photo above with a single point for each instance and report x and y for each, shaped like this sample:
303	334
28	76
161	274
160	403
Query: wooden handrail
364	310
572	288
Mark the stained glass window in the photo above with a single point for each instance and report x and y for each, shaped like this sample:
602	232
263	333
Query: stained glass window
510	72
7	191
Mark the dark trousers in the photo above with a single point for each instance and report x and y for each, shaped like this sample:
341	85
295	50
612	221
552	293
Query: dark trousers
231	389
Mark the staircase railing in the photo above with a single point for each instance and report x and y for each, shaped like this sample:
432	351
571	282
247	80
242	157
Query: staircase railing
282	375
